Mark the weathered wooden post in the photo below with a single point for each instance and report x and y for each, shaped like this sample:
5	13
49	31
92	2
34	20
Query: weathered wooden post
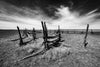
25	33
34	34
59	33
43	29
92	31
21	40
85	38
46	31
45	35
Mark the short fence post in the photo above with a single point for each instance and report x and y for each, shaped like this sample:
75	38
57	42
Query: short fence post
21	40
34	34
25	33
85	38
59	33
91	31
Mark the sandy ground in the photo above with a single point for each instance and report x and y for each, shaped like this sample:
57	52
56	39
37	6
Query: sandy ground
71	53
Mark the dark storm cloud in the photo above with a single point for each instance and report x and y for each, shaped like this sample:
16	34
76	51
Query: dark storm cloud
52	11
28	8
10	9
49	6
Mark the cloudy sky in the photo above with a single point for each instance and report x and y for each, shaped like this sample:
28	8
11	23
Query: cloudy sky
69	14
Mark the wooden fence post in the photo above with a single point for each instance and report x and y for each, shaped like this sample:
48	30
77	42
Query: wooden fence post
45	35
43	29
59	33
92	31
85	38
21	40
25	33
46	31
34	34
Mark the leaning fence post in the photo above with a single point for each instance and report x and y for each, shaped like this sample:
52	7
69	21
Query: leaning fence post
21	40
85	38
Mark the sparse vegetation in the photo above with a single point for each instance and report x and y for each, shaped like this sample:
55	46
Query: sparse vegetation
70	52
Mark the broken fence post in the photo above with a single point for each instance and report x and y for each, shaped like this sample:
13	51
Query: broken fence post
21	40
85	38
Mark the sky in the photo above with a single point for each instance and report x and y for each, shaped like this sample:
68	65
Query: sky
69	14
